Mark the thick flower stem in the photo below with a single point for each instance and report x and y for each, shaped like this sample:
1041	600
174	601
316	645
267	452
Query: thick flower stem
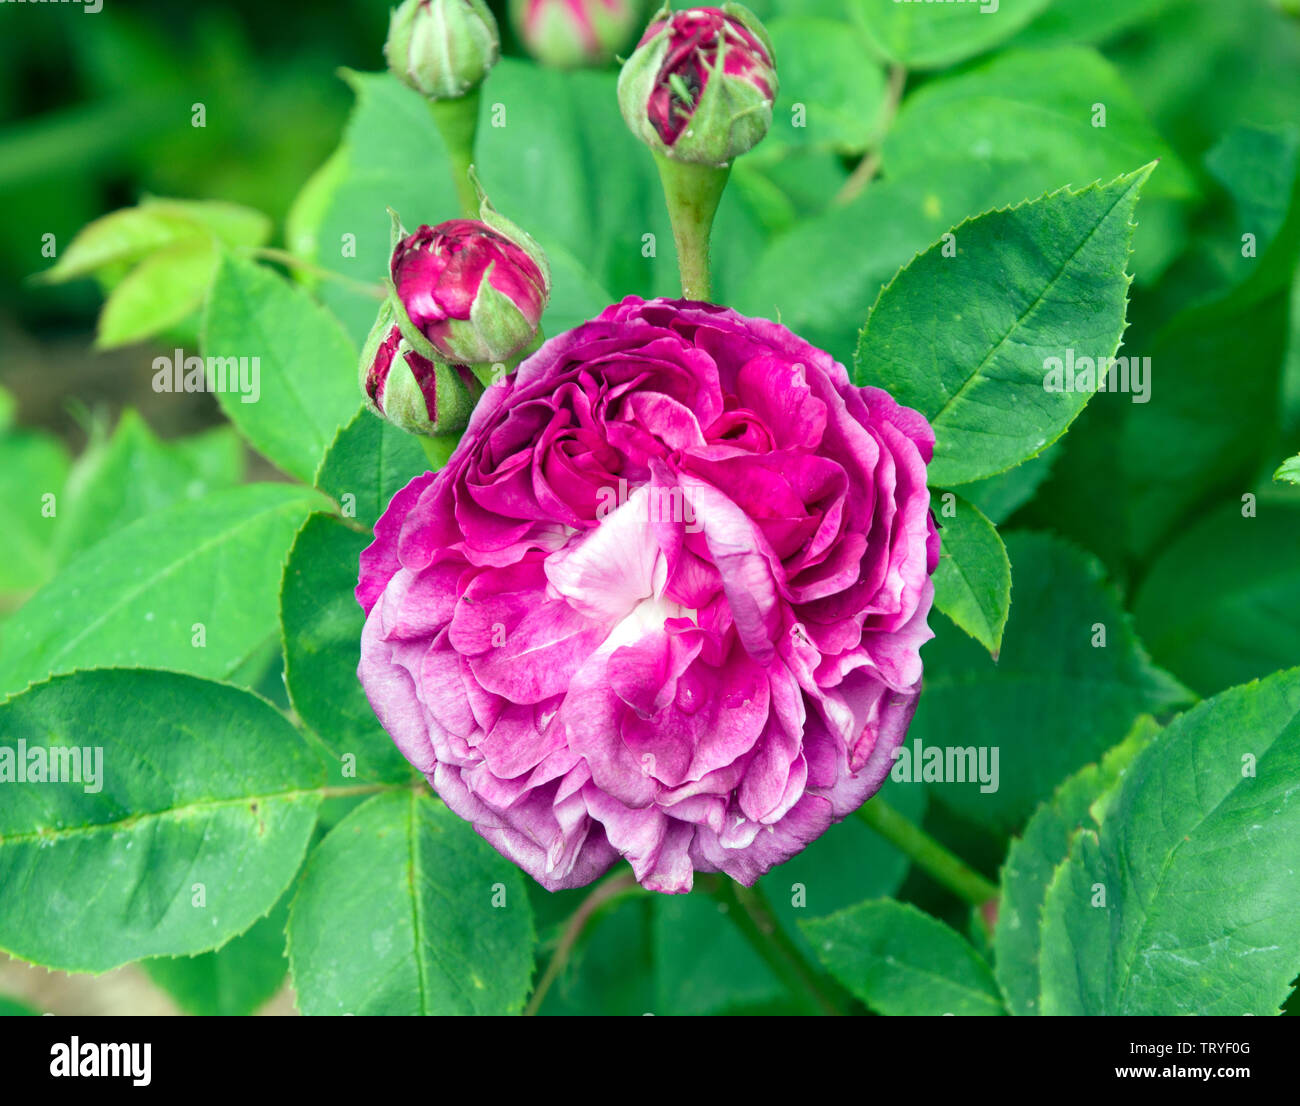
438	448
927	854
458	124
692	193
748	909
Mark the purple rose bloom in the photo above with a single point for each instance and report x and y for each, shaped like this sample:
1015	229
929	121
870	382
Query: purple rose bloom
665	601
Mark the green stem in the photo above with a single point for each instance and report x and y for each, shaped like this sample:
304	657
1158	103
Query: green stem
927	854
869	166
457	122
619	886
748	909
692	193
438	448
293	261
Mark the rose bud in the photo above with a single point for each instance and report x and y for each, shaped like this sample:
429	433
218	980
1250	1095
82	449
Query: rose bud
442	48
475	289
665	601
567	34
409	390
699	86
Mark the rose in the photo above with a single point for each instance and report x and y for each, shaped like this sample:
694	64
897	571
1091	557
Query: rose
409	390
570	33
475	291
442	48
665	600
700	85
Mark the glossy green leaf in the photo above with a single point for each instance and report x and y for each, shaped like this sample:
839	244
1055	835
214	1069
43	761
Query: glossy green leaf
126	236
369	462
900	961
305	383
237	979
1289	471
33	468
166	288
321	621
193	588
133	474
1034	856
1039	106
972	584
1067	685
970	340
194	809
1185	901
404	909
932	36
831	97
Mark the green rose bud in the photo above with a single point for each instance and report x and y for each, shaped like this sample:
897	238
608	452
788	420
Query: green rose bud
401	385
442	48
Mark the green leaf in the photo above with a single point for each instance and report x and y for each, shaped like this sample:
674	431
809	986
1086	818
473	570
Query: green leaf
321	624
33	468
1289	470
370	461
1137	473
124	237
822	291
900	961
233	981
1070	22
972	584
134	474
1001	496
933	36
1221	605
198	817
12	1009
824	74
306	366
163	290
1037	106
404	909
1196	858
1070	667
1047	279
193	588
1034	856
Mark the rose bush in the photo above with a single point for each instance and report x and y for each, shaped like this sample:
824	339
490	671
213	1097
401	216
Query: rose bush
665	601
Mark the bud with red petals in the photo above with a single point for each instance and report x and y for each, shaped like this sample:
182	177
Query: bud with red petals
567	34
420	395
700	85
473	289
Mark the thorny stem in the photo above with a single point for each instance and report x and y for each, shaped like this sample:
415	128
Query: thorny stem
927	854
752	915
869	166
618	886
457	122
